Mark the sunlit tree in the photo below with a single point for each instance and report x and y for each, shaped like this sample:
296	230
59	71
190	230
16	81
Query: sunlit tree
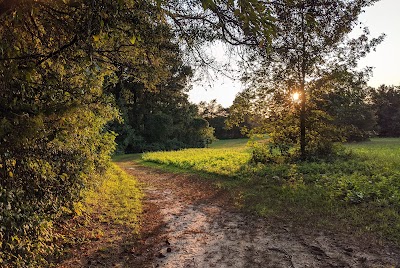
311	41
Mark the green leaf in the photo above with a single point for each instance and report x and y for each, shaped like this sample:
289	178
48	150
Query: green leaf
207	4
96	38
133	40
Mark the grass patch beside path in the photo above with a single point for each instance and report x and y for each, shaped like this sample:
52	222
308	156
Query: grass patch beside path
118	198
360	192
106	223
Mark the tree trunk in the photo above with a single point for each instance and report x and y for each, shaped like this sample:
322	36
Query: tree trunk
303	122
303	91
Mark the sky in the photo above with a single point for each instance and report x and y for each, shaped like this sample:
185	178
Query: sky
383	17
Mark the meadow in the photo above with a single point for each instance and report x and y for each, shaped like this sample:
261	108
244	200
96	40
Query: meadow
221	159
358	191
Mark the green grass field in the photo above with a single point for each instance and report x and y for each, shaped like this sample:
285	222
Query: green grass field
360	191
239	144
215	161
382	149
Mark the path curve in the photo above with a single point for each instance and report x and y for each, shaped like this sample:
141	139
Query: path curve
189	223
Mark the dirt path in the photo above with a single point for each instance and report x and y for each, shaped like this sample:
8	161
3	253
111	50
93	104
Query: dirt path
188	223
201	229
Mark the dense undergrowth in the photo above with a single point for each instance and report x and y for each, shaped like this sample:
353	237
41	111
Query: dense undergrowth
113	197
115	200
358	190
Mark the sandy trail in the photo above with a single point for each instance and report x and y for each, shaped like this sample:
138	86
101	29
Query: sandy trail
198	227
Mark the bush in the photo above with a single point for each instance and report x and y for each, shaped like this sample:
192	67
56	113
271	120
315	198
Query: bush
44	165
267	154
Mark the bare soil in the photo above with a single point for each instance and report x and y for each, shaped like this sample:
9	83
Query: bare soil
187	222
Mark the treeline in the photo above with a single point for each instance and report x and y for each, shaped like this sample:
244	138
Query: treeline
386	105
361	113
165	120
160	119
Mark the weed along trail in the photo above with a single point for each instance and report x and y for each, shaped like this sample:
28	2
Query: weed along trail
187	222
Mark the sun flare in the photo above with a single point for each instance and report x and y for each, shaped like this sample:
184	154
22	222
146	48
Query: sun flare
295	96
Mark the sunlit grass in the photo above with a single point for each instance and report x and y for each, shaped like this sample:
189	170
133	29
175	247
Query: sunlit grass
239	144
227	162
118	198
360	190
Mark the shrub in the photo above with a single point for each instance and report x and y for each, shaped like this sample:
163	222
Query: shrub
45	162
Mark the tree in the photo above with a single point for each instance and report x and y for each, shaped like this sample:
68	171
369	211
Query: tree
386	103
217	116
310	41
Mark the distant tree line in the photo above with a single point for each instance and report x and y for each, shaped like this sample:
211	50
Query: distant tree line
364	112
166	120
357	111
385	101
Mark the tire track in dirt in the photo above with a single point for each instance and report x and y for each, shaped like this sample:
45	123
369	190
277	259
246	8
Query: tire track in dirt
193	224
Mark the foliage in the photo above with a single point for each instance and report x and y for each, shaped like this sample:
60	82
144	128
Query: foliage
358	189
386	103
40	177
235	22
311	42
49	151
216	115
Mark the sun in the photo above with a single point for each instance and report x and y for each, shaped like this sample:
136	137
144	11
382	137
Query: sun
295	96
